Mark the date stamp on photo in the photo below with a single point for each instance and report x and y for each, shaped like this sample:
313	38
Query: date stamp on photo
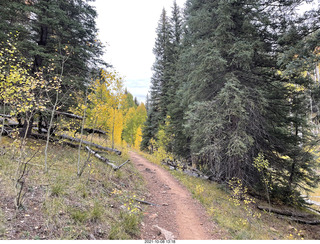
159	241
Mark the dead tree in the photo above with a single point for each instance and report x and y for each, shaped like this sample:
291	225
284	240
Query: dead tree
90	144
105	160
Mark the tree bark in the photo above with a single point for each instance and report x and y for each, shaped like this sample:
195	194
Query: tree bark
43	38
90	144
51	139
302	221
69	115
284	212
26	130
105	160
5	116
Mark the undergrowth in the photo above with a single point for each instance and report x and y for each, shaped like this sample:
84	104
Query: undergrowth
61	205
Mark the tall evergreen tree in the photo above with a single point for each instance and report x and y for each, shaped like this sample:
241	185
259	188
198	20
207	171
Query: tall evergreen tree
164	85
176	22
160	80
59	32
239	105
172	97
48	27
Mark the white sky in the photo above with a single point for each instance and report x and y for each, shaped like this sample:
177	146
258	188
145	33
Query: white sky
127	29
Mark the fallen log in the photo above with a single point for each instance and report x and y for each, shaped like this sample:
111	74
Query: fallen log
302	221
308	222
69	115
52	139
5	130
43	137
314	210
87	130
186	169
5	116
90	144
284	212
96	131
145	202
175	165
313	202
9	123
105	160
43	130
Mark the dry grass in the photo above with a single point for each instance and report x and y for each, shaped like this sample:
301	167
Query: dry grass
61	205
2	224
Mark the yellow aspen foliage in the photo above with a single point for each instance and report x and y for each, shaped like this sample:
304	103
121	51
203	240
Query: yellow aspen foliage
138	140
130	126
108	109
141	113
134	119
116	123
105	103
21	89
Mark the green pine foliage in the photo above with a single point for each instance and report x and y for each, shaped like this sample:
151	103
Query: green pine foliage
159	80
163	82
243	89
56	32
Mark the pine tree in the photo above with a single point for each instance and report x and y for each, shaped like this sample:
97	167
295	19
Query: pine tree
175	113
160	80
15	18
161	68
164	85
59	32
176	30
176	23
49	29
240	105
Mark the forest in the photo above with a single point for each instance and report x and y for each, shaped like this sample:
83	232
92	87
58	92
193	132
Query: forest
47	69
234	96
56	93
235	91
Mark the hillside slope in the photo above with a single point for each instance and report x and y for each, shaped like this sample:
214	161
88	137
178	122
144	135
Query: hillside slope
61	205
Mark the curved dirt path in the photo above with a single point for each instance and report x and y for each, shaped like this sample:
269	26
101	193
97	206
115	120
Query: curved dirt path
176	211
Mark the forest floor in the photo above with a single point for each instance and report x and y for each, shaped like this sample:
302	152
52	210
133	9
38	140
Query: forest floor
176	214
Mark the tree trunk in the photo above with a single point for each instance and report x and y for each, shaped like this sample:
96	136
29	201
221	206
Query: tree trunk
90	144
26	129
284	212
72	116
40	123
105	160
42	42
114	114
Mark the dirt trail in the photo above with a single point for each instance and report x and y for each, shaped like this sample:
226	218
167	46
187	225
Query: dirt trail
176	210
